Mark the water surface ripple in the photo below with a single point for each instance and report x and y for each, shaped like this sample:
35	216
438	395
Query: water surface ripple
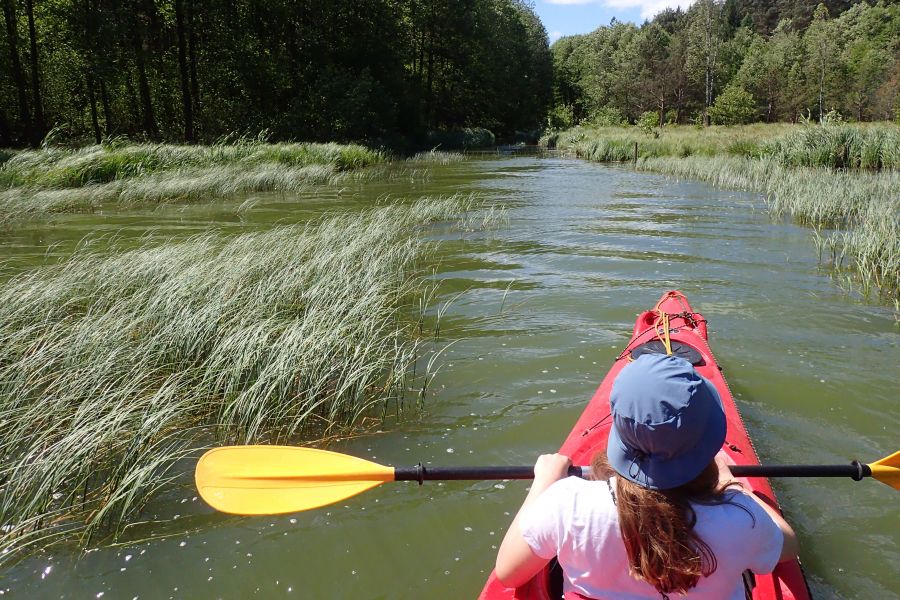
541	309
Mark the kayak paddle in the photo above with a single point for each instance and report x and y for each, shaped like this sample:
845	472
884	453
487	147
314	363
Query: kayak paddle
270	480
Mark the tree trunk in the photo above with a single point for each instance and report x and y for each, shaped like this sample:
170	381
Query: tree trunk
39	129
12	35
822	92
710	63
107	110
183	72
429	93
192	60
5	133
134	110
92	100
149	121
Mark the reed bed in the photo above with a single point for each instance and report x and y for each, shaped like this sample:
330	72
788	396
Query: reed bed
183	185
874	147
112	368
617	144
55	180
436	157
59	168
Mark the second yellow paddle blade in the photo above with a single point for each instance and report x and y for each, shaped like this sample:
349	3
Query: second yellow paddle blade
269	480
887	470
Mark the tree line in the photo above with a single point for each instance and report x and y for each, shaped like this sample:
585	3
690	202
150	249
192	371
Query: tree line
734	61
195	70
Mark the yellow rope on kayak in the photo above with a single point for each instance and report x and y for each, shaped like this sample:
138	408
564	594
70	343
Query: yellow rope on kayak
667	342
662	318
663	321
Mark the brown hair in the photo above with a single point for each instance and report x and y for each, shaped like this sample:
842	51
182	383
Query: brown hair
657	527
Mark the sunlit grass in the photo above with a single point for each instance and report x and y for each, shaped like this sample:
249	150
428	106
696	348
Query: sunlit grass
54	180
874	147
617	144
66	168
436	157
112	367
184	185
868	146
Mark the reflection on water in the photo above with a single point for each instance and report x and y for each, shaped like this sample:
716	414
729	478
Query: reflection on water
541	309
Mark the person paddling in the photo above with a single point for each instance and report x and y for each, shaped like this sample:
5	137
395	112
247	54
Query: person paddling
662	517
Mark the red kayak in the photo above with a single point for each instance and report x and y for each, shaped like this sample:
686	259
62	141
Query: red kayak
671	326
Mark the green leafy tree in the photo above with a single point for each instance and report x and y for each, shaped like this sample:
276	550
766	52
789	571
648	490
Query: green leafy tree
705	31
822	49
734	106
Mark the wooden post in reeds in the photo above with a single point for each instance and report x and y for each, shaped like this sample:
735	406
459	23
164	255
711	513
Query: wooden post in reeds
635	153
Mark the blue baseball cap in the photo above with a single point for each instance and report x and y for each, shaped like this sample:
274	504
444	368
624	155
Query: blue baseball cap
668	422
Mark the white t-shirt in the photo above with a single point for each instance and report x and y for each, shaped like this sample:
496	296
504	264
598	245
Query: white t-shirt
576	521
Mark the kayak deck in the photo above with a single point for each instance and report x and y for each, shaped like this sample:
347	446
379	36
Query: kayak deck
672	322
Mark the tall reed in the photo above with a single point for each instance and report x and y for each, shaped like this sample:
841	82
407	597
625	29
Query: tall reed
617	144
114	367
874	147
184	185
55	180
65	168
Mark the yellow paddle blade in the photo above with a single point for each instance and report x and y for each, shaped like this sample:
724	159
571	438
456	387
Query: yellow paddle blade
271	480
887	470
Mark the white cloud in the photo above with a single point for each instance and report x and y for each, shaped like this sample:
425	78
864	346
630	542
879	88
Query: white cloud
555	35
648	8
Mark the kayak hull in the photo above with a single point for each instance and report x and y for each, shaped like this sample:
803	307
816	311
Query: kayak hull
589	435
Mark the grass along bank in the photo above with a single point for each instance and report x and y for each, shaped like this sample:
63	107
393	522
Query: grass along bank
617	144
868	146
855	212
53	180
114	367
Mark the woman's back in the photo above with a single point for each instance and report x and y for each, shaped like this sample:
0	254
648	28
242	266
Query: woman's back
672	526
577	521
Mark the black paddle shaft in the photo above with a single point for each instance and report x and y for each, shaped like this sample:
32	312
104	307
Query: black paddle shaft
421	473
854	470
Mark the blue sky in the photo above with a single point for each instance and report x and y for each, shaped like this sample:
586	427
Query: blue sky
568	17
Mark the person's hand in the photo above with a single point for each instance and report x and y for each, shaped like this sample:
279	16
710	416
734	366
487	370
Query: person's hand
551	467
725	476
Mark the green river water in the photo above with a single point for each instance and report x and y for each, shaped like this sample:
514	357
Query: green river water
541	308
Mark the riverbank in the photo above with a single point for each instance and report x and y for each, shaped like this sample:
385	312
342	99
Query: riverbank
840	180
57	180
121	174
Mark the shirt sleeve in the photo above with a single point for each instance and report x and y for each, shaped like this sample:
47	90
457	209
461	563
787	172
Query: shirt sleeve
768	540
541	523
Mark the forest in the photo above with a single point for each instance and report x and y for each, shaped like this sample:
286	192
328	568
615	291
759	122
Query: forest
389	71
734	62
197	70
